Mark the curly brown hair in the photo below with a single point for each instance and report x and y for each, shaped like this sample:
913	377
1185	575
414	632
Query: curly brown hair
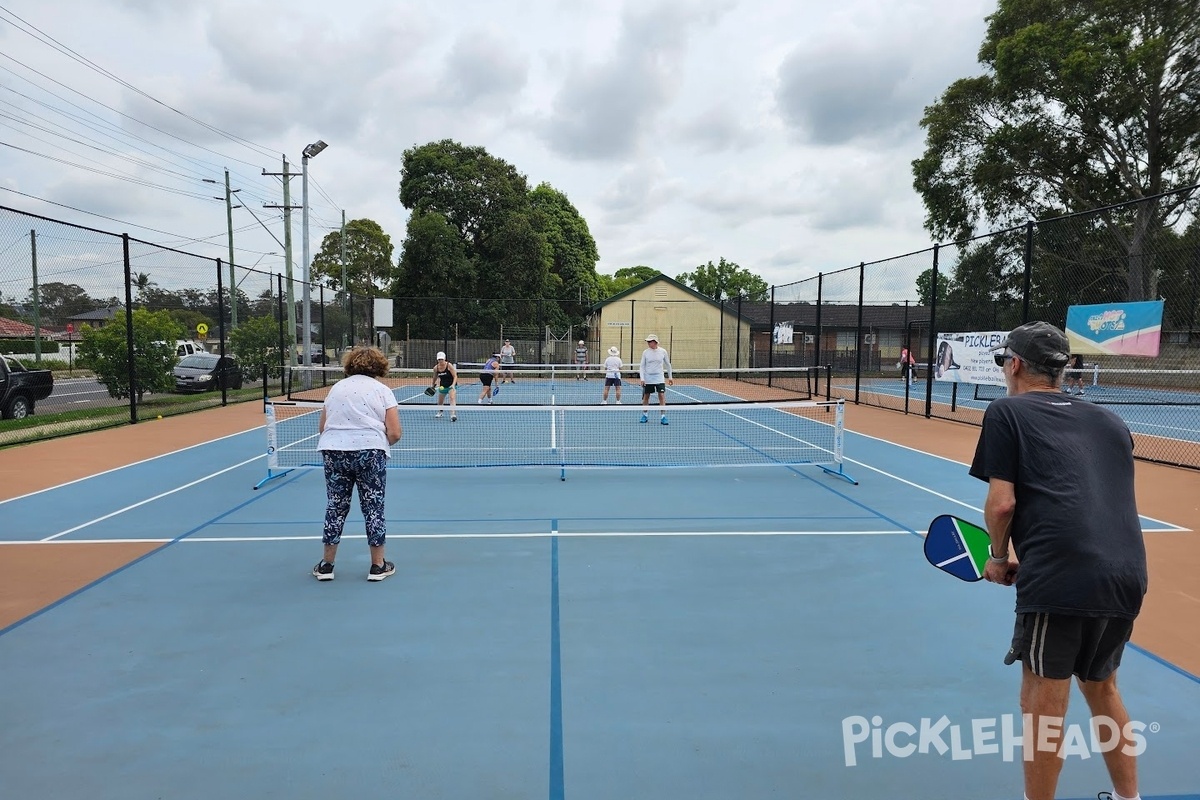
368	361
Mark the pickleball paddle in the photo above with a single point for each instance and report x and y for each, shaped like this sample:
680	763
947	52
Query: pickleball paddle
957	547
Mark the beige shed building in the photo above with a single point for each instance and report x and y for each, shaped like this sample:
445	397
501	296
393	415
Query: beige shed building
698	332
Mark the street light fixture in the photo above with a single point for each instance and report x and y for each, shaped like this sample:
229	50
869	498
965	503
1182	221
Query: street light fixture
311	151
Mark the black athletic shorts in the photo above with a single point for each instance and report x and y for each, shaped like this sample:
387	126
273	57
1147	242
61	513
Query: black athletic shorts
1057	646
612	381
485	378
651	388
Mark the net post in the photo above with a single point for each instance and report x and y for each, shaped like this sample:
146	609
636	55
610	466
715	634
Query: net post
272	446
839	435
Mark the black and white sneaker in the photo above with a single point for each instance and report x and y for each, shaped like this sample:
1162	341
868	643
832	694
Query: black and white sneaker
323	571
378	572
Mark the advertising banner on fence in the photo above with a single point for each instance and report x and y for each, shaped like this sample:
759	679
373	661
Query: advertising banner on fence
968	357
1128	329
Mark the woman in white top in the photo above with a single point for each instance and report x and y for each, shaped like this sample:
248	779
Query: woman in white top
612	374
359	423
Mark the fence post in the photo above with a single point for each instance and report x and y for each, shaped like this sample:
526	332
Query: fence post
1028	271
862	273
632	335
221	330
737	350
721	336
133	385
771	348
283	346
817	334
933	282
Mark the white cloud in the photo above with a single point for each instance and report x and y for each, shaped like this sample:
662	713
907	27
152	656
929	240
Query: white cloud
776	135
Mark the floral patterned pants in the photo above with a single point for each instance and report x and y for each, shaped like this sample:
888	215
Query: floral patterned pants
345	469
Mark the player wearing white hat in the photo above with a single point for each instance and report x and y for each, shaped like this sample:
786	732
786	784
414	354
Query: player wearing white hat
581	360
445	377
612	374
656	375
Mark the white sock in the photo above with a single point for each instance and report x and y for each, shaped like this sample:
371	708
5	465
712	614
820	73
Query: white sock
1137	796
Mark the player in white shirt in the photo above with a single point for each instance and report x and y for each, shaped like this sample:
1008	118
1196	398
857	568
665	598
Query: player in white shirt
656	376
358	424
508	357
612	374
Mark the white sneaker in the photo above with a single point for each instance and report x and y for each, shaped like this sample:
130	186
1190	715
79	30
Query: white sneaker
603	402
438	415
479	402
618	401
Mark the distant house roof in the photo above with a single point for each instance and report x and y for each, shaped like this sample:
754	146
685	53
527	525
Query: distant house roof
833	316
658	279
12	329
99	315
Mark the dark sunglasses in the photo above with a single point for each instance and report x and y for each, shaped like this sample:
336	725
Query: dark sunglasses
1002	357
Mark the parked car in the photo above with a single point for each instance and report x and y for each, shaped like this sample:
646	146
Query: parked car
185	348
21	387
203	372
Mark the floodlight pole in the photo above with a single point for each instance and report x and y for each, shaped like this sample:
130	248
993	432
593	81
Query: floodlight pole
310	151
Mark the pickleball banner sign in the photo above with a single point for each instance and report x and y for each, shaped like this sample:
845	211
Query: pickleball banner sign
967	357
958	547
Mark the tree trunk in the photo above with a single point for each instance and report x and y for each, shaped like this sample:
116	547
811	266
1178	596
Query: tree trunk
1143	282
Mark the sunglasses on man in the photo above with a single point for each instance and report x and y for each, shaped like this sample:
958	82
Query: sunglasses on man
1002	357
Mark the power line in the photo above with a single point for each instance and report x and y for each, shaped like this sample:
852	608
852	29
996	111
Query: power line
50	41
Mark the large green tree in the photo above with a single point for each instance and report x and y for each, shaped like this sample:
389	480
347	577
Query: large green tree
60	301
625	278
724	280
573	253
369	268
483	251
1083	104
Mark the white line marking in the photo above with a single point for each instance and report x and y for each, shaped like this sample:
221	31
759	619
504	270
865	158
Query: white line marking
150	499
519	535
1172	528
134	464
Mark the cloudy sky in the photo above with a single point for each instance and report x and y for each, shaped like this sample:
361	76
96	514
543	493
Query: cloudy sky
778	135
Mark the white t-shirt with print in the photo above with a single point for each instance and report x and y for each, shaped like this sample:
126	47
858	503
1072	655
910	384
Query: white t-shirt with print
354	415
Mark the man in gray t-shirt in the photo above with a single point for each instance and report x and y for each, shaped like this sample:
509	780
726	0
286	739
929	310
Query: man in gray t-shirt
1061	491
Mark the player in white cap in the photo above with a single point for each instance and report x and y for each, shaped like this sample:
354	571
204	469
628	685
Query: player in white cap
581	360
656	375
445	379
612	374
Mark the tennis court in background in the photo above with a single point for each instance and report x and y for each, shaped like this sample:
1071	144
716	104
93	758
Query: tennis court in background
727	632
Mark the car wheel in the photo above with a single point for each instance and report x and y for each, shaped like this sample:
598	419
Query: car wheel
18	408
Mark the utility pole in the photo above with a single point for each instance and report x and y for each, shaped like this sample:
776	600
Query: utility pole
229	207
287	253
345	284
37	313
233	304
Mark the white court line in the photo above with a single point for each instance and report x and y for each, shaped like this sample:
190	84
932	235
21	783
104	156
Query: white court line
150	499
1171	527
525	535
134	464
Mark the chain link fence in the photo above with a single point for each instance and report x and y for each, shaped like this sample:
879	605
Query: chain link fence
61	285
